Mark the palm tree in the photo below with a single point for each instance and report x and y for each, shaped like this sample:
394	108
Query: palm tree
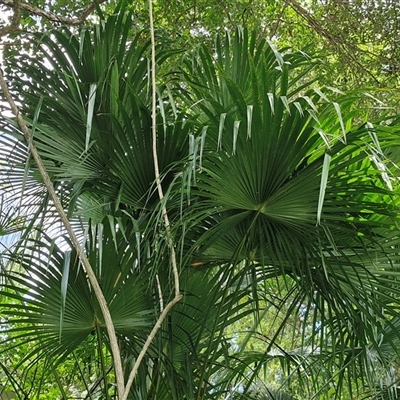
283	212
308	196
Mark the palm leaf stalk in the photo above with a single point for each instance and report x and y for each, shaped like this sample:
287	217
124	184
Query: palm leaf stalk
174	263
44	129
60	209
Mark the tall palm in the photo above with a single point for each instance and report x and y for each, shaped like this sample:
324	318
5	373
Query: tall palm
280	209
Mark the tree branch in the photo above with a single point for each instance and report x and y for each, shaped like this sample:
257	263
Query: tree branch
15	20
167	225
51	16
146	346
349	49
279	20
17	6
85	262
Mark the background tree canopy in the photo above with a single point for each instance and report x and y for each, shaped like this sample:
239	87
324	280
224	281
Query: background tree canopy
357	39
279	187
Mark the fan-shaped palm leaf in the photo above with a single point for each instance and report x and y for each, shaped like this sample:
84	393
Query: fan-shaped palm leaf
48	300
288	182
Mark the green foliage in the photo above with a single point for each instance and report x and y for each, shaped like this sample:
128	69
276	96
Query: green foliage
283	206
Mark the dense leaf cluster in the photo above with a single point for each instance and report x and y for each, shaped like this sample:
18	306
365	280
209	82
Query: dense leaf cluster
283	205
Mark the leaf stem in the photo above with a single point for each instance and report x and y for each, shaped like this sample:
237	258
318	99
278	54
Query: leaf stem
167	225
63	216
